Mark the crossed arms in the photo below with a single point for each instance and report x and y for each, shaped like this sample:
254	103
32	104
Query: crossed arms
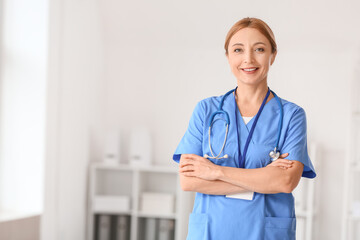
199	174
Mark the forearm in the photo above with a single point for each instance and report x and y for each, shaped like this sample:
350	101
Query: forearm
267	180
280	176
214	187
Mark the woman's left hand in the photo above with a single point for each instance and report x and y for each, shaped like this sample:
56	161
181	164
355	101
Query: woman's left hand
192	165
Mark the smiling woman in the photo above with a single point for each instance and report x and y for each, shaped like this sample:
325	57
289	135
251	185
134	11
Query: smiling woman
247	192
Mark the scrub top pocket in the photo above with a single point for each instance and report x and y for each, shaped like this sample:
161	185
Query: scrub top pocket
198	227
278	228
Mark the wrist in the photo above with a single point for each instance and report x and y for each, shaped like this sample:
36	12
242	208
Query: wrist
220	173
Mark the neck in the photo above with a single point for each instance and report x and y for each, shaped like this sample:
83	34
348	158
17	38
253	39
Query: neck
250	97
251	94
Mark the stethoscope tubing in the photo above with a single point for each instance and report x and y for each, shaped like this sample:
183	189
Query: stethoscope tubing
227	120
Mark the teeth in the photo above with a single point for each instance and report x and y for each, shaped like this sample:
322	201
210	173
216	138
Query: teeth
249	69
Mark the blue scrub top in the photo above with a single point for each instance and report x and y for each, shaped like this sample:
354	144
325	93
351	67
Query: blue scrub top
267	216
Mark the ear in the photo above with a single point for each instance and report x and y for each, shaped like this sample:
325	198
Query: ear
273	56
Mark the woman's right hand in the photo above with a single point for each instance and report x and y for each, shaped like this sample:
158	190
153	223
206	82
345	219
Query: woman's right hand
281	162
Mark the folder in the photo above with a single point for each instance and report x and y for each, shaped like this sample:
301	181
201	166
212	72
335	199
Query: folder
121	227
150	228
103	227
166	229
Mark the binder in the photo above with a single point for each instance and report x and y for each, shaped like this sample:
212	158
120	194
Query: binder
103	227
121	228
166	229
150	228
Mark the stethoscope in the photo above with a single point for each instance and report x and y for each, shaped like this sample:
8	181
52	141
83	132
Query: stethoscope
274	154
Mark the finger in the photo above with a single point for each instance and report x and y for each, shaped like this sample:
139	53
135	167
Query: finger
284	161
198	158
282	165
285	166
189	174
186	156
288	165
186	169
186	162
280	160
190	156
284	155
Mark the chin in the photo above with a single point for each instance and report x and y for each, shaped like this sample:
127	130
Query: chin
251	82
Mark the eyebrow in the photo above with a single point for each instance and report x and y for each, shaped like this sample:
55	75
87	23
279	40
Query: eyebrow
254	44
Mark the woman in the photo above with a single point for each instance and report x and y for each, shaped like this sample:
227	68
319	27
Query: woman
241	193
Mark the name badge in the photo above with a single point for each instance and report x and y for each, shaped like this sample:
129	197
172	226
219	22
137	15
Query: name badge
244	195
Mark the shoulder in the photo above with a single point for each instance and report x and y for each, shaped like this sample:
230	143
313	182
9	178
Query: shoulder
211	100
291	108
293	113
209	103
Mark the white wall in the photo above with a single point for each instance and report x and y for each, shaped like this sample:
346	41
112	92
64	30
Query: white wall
122	64
75	100
22	104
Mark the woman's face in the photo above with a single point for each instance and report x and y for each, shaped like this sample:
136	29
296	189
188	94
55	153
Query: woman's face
250	56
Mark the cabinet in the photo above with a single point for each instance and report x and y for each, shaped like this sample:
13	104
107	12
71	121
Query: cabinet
126	185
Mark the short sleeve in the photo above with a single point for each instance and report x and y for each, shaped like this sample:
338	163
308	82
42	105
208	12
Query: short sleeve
191	142
296	142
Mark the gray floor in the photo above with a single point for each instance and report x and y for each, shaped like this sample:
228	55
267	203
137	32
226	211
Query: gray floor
22	229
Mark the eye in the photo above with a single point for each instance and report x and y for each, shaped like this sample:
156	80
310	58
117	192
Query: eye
260	50
238	50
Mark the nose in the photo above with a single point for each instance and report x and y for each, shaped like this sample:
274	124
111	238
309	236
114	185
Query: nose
248	57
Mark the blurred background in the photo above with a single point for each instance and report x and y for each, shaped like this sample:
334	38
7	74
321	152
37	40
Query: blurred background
96	95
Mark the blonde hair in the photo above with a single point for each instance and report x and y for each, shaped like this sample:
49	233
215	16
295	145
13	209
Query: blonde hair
255	23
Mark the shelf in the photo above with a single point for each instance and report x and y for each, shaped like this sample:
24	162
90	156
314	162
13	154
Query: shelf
138	214
157	215
112	212
127	167
164	169
115	180
110	166
108	182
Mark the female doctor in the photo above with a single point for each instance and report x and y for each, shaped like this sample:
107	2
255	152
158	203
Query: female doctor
244	152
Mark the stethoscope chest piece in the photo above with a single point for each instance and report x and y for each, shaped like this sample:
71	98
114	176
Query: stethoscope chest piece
274	155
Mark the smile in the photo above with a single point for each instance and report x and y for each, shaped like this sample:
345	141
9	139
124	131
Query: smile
249	70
